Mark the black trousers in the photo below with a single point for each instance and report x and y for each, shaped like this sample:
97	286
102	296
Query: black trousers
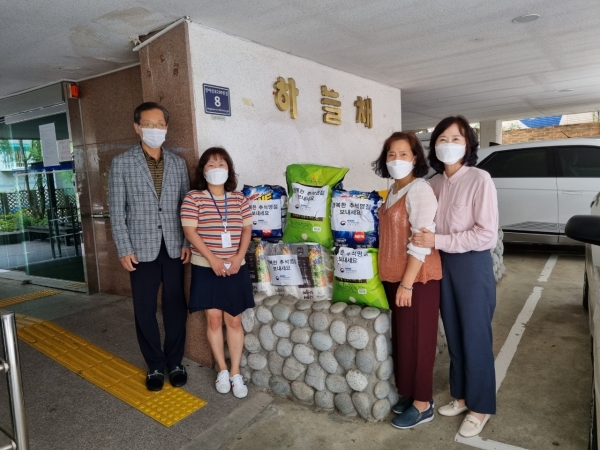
145	281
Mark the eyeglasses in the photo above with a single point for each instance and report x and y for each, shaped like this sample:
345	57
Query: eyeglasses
159	125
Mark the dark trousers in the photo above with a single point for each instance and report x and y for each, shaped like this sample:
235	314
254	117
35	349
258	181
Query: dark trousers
414	339
145	281
467	304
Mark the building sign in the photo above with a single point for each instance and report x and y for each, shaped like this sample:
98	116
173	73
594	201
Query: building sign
364	111
333	112
216	100
285	96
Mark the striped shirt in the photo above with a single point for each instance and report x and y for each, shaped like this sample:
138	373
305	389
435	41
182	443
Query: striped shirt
156	168
198	210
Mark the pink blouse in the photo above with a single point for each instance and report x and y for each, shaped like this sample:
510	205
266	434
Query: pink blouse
467	215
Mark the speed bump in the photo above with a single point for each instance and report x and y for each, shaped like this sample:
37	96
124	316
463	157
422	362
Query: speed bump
107	371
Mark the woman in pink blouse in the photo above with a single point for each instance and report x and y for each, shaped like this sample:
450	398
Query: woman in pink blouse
467	228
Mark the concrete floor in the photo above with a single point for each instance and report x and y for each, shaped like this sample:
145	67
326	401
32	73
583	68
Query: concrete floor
543	402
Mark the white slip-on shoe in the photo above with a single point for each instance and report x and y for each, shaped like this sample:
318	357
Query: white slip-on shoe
452	409
222	384
240	390
472	426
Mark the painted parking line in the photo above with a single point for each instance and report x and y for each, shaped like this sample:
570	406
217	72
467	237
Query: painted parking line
507	352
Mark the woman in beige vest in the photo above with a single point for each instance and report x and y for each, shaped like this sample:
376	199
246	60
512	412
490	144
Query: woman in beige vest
410	275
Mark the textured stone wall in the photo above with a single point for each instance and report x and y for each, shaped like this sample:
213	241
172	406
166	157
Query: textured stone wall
554	132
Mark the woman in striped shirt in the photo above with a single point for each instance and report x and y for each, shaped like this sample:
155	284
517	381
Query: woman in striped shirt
217	221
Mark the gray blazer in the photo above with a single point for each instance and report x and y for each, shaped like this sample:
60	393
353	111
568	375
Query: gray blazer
139	219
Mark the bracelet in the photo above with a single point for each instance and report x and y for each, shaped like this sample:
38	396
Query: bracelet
407	288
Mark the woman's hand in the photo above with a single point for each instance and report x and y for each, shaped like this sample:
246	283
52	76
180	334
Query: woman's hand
218	266
424	239
403	297
236	263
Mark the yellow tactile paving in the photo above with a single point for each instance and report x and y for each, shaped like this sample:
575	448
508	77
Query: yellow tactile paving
76	286
115	375
24	298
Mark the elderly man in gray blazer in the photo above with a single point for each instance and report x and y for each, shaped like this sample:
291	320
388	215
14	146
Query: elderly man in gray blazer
147	185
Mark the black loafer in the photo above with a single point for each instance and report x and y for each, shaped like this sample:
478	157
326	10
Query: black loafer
155	380
177	376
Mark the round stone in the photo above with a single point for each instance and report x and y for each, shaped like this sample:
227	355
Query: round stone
381	389
356	380
321	341
281	312
244	360
298	319
275	363
365	360
263	314
280	386
257	361
352	311
328	362
303	305
343	402
304	353
288	300
338	330
381	350
370	313
362	404
246	373
260	379
251	343
336	383
382	324
324	400
248	320
304	393
282	329
345	356
270	301
385	369
318	321
381	409
284	347
357	337
315	377
323	305
267	338
393	396
259	297
292	369
338	307
299	336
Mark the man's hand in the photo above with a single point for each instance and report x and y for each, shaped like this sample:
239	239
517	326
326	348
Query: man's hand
424	239
186	255
128	261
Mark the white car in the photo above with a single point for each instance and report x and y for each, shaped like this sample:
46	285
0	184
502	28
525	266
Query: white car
541	185
586	229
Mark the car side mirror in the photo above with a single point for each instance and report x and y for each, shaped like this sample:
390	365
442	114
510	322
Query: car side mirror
584	229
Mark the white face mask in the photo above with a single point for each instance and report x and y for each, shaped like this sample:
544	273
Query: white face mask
399	169
153	137
217	176
449	153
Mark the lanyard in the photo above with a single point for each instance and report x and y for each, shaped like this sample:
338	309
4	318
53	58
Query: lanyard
220	215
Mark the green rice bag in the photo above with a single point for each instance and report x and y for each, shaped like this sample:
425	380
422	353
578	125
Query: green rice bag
309	205
356	278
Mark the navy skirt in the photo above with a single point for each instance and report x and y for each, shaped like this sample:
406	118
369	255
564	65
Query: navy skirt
232	294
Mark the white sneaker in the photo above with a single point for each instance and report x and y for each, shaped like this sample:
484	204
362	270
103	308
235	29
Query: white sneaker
472	426
222	384
239	388
452	409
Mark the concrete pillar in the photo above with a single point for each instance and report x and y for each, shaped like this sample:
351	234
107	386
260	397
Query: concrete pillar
167	79
491	131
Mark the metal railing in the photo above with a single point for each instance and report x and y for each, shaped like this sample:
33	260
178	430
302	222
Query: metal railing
12	367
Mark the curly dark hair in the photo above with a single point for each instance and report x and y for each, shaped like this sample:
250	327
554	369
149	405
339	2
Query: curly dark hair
421	168
200	182
470	158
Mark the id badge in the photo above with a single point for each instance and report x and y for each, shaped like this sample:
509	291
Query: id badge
226	239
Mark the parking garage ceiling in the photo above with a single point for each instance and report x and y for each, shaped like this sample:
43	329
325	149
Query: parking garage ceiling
447	56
